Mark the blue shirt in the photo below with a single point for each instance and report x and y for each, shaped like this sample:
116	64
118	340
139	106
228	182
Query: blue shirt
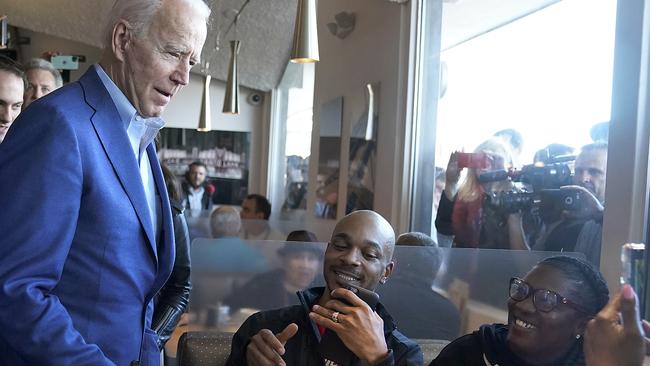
141	132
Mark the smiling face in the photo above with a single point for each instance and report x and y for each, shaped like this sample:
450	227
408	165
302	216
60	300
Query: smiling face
155	66
359	252
542	337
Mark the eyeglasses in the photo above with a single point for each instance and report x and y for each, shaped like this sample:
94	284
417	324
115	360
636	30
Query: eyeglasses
544	300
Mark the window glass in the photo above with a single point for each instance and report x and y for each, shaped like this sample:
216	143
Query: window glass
517	103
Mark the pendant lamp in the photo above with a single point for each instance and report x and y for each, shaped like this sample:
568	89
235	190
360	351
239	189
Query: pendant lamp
305	34
231	100
205	119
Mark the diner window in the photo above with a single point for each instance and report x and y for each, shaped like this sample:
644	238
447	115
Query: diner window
291	140
543	69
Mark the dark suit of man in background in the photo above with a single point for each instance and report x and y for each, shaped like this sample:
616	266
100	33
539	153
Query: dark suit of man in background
80	264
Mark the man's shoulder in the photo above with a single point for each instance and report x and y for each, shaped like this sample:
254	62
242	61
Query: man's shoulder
65	101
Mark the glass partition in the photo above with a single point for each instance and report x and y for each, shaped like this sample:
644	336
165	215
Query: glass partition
272	229
434	293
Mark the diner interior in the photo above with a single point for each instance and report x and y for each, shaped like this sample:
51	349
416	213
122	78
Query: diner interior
395	88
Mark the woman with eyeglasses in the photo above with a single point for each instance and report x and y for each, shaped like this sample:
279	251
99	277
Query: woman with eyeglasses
548	311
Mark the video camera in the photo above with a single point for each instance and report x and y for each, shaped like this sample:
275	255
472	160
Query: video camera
539	186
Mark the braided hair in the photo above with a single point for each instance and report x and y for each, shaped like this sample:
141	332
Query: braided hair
593	291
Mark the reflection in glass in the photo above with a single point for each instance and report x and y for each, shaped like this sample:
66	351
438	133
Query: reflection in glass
329	158
529	85
363	150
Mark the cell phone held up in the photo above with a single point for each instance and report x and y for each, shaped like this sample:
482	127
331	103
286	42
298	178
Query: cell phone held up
472	160
331	347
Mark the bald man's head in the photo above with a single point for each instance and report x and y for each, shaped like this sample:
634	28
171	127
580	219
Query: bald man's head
225	222
360	251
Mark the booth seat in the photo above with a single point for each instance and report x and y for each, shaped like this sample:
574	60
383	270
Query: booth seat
213	348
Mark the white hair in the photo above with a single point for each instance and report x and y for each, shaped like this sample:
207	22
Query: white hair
139	14
225	221
40	64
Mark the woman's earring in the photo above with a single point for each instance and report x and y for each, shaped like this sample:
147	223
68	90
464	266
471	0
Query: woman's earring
383	280
578	336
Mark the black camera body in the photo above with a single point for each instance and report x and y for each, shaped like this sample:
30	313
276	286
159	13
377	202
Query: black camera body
539	187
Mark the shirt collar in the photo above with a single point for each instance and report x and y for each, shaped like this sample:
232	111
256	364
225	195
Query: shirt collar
125	109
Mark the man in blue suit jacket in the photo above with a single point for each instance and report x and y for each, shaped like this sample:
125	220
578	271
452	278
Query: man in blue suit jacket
86	238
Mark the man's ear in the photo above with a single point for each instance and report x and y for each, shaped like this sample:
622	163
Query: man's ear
388	271
121	39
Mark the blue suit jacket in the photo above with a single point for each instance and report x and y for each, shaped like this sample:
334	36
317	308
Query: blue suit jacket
79	262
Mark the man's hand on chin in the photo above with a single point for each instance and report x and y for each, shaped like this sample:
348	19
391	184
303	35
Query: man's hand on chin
359	327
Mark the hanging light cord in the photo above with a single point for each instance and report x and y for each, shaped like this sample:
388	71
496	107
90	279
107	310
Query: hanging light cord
234	21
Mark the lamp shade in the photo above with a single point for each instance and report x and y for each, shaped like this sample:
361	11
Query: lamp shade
305	34
231	99
205	119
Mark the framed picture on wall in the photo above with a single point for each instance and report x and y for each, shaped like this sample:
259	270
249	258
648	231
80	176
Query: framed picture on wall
225	153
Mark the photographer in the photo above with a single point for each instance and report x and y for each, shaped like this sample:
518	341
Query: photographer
462	212
580	229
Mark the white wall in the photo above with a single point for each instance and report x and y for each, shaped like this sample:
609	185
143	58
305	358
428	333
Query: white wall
371	53
183	112
41	42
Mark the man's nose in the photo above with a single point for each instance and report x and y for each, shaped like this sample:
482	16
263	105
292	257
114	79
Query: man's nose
351	257
181	75
5	116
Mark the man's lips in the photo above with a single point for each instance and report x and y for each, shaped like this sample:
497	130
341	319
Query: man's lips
345	276
164	93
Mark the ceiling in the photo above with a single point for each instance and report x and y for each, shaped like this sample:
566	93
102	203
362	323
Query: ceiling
265	28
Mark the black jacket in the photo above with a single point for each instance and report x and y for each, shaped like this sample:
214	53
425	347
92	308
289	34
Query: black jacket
301	350
206	200
489	344
174	296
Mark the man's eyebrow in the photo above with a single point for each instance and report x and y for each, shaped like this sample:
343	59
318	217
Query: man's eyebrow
344	236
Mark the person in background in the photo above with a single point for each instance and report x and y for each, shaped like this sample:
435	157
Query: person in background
360	252
42	79
197	193
580	230
462	212
173	298
513	139
550	152
599	132
255	213
617	335
229	253
79	287
548	312
432	316
225	222
277	288
12	84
